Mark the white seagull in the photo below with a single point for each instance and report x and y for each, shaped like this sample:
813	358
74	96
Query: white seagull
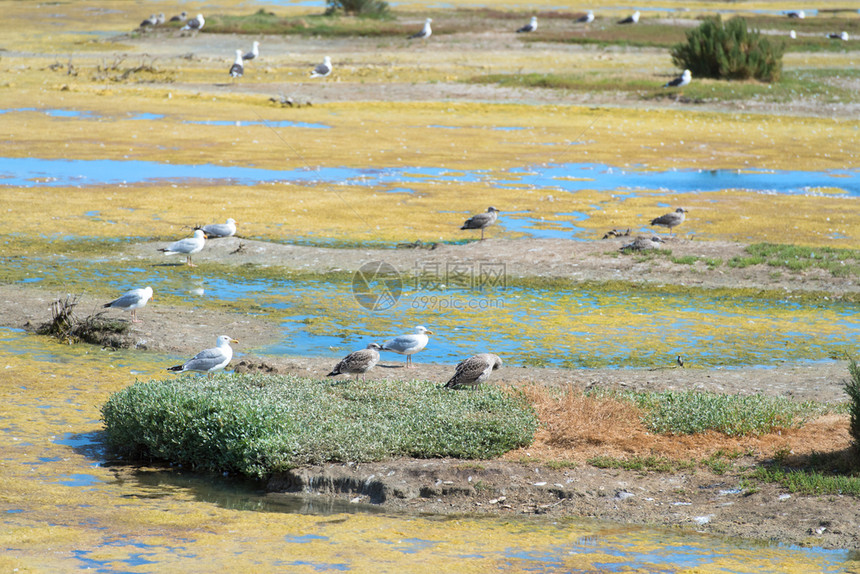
132	300
151	21
195	23
425	31
238	67
586	18
254	53
843	36
474	371
799	14
530	27
671	219
218	230
181	18
322	70
209	360
792	35
482	220
408	344
188	246
631	19
358	362
159	20
680	81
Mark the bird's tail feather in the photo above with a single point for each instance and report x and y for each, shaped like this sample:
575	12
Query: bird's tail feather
175	369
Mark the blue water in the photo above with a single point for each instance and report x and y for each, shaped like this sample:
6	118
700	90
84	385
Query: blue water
570	177
267	123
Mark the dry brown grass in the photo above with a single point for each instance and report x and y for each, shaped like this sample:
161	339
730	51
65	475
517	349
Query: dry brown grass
575	428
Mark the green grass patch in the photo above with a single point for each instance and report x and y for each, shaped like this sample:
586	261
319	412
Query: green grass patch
839	262
263	22
809	481
255	425
638	463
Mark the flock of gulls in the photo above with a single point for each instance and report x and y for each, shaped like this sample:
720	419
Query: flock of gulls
468	373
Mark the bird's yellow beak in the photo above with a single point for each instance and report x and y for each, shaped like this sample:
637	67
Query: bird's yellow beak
429	333
233	341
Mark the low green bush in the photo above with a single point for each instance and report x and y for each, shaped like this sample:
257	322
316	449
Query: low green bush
852	388
259	424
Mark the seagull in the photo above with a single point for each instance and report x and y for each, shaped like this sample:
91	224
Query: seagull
680	81
680	361
132	300
218	230
482	220
195	23
671	219
254	53
151	21
631	19
209	360
358	362
322	70
159	20
530	27
474	371
425	31
643	243
238	67
799	14
792	35
181	18
843	36
408	344
188	246
586	18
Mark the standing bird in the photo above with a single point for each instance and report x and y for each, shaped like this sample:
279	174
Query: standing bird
160	20
482	220
358	362
680	81
587	18
799	14
218	230
195	24
132	300
843	36
671	219
680	361
254	53
188	246
322	70
209	360
792	35
633	19
425	31
181	18
238	67
530	27
408	344
474	371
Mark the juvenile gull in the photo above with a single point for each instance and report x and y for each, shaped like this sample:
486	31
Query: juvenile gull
195	23
643	243
322	70
474	371
358	362
530	27
680	81
209	360
217	230
482	220
425	31
408	344
254	53
181	18
632	19
671	219
586	18
188	246
132	300
238	67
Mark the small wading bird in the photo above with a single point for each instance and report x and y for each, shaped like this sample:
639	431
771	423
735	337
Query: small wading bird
187	246
408	344
474	371
425	31
680	81
357	363
530	27
670	220
254	53
587	18
218	230
322	70
238	67
209	360
132	300
482	220
632	19
195	24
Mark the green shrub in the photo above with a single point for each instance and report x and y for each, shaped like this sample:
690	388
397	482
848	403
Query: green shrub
729	51
259	424
371	8
852	387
